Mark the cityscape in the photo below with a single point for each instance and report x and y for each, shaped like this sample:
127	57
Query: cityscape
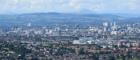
108	41
69	29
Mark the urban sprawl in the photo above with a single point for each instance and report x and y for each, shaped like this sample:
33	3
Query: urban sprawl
108	41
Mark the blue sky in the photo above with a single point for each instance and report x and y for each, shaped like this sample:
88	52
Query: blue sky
70	6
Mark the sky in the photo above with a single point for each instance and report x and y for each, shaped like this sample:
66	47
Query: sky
70	6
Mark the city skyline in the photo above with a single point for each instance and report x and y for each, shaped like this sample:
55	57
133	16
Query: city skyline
69	29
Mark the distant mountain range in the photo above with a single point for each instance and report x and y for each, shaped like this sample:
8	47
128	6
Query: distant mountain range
64	18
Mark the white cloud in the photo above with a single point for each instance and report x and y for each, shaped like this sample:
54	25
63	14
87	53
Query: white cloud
8	6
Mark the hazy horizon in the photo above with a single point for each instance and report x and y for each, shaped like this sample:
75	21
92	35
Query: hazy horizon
70	6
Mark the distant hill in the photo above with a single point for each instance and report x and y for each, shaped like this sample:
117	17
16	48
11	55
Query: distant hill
64	18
